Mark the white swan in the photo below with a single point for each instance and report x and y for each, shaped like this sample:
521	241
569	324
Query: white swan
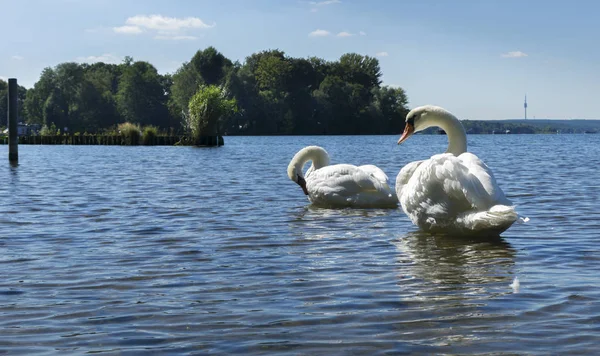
453	192
340	185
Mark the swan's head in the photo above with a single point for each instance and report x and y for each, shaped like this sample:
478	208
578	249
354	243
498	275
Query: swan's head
300	181
316	154
294	172
420	118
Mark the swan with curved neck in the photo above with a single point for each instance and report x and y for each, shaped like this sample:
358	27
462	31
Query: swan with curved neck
452	192
315	154
340	185
423	117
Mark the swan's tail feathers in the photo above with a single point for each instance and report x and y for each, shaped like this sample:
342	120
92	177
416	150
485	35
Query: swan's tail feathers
497	219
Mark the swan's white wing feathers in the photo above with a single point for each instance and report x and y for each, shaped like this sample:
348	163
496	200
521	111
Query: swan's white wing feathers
404	176
444	191
485	176
345	184
341	178
374	172
436	189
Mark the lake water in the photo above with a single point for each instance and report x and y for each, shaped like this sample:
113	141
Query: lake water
214	251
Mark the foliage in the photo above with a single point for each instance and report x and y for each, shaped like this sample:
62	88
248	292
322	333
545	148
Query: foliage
21	96
130	132
186	82
141	97
390	105
97	105
210	65
208	106
207	67
149	134
275	94
48	130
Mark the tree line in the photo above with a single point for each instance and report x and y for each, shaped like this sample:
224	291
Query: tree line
275	95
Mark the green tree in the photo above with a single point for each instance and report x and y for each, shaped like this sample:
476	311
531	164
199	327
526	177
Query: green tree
304	78
390	107
3	102
97	107
207	67
141	98
37	96
54	97
253	60
69	77
274	94
21	97
186	82
211	65
272	73
333	100
53	110
207	108
356	68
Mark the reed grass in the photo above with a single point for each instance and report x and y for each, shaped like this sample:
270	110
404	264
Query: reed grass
130	133
149	135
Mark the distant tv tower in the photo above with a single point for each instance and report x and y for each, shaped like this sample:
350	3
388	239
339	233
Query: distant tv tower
525	106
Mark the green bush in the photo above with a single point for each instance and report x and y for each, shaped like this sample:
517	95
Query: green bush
206	108
149	135
130	133
49	131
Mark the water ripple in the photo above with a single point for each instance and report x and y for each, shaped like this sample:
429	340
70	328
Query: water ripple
180	250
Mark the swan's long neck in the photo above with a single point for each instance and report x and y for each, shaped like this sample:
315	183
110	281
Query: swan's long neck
457	137
316	154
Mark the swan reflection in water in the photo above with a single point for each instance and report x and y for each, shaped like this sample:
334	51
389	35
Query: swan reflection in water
312	222
465	265
426	264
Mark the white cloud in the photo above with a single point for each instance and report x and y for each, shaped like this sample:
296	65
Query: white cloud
129	30
17	57
325	33
163	27
319	33
163	23
106	58
325	2
514	54
316	4
382	54
362	33
3	78
175	38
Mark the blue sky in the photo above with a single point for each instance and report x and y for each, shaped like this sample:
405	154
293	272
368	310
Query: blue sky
476	58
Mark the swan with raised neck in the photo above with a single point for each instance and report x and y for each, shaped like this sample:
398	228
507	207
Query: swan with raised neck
317	155
426	116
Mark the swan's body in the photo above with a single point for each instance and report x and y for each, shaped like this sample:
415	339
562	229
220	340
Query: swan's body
340	185
453	192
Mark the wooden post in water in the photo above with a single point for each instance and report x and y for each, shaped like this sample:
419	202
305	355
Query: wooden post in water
13	139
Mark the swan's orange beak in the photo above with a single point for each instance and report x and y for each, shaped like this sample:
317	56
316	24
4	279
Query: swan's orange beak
302	184
408	131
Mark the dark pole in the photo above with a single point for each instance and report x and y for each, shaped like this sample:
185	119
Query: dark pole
13	140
